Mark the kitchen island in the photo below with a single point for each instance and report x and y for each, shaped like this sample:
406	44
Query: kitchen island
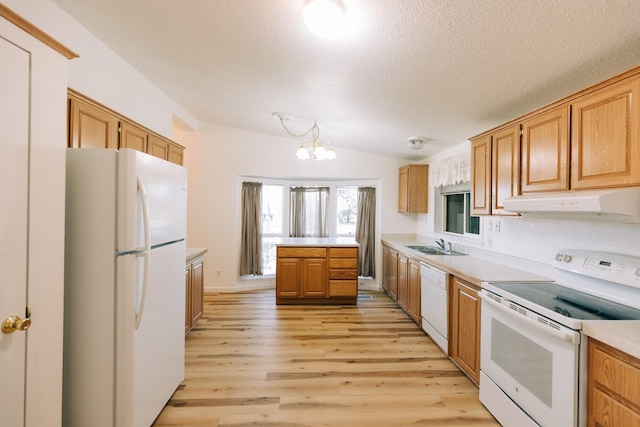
317	271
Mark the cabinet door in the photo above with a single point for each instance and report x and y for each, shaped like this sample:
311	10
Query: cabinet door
158	147
91	127
613	394
403	189
413	284
187	309
545	151
464	338
131	136
197	290
314	277
176	154
481	176
403	281
390	266
605	138
288	277
505	168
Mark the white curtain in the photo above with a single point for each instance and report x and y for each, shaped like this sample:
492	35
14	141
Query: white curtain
451	171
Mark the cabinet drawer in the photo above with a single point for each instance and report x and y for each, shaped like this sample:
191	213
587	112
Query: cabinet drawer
343	263
612	413
302	252
343	288
614	374
343	274
343	252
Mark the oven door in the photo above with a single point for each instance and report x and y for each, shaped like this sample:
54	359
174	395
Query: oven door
532	359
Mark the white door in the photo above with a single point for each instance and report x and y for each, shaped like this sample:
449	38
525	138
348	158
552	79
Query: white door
14	214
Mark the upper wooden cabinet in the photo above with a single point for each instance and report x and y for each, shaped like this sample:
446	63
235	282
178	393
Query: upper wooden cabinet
605	139
481	175
92	125
505	167
545	151
588	140
413	189
131	136
495	170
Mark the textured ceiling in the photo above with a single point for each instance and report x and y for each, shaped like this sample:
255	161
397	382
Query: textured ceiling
442	69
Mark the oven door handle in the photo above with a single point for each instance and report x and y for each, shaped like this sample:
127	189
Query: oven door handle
563	333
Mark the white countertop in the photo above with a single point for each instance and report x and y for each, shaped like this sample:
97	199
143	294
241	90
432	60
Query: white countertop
195	252
472	269
316	241
621	334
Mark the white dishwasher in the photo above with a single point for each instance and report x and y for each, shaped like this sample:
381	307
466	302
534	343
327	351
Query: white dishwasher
434	303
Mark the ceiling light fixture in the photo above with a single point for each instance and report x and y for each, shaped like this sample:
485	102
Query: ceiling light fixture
416	142
308	149
325	18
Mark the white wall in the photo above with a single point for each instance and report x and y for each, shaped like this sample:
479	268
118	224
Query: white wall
102	75
217	156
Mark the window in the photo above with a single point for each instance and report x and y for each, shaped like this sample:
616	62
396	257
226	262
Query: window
457	212
453	211
347	212
330	209
272	224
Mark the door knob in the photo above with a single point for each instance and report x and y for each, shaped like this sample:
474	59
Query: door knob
13	323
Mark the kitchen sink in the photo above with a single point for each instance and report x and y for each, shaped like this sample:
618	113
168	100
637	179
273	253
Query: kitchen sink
434	250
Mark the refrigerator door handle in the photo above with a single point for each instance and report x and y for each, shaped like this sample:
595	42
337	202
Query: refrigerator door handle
144	253
142	292
145	215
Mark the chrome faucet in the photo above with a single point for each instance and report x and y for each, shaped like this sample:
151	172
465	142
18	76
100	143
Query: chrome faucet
440	242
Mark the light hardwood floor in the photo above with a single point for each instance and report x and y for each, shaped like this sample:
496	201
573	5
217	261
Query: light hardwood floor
252	363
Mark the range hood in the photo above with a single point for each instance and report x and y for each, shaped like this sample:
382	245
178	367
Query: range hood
616	205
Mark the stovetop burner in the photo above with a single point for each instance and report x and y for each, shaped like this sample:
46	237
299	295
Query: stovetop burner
569	302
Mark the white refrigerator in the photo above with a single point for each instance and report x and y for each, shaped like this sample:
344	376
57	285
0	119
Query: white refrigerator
124	287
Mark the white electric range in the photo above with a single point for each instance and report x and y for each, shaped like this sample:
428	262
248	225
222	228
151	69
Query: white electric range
533	352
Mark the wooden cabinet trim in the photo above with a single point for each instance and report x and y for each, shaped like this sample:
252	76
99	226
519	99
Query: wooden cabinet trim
36	32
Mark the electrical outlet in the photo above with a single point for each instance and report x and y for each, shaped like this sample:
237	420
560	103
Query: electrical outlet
496	226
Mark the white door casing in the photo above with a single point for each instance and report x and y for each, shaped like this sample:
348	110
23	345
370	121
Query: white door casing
14	164
32	185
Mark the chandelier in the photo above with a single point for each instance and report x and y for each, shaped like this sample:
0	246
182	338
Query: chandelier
309	149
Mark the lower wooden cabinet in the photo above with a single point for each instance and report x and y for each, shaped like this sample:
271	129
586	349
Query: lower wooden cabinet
194	290
390	271
613	392
401	281
316	275
464	332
